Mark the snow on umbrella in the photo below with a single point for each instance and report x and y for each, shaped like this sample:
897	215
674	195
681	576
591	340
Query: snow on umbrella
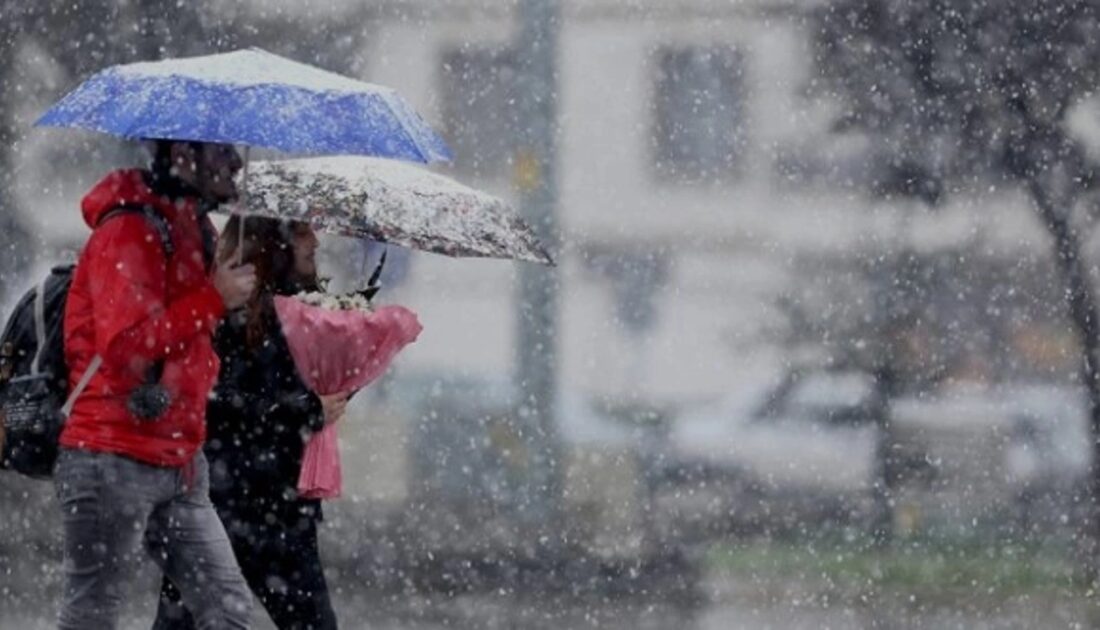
392	202
249	97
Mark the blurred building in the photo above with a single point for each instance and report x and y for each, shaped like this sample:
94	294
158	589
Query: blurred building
696	165
698	177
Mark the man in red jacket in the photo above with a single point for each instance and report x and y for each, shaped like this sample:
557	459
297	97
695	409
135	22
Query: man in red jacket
140	315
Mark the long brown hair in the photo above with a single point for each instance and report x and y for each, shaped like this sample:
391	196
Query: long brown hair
268	246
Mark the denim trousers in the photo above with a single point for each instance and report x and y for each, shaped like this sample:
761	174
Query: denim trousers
109	504
281	563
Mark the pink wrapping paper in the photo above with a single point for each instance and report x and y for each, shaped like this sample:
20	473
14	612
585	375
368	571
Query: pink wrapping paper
339	351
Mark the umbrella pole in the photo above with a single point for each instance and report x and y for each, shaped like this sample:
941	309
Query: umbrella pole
242	203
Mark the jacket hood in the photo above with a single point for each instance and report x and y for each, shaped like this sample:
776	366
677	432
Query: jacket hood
123	187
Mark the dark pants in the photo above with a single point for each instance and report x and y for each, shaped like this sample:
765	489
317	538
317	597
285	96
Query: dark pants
110	503
282	565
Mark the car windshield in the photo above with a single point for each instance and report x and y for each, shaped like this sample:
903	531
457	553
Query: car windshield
827	397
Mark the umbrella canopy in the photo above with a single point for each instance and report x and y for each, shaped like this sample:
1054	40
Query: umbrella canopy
391	202
249	97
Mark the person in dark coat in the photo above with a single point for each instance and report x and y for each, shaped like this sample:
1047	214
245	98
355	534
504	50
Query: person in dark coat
259	417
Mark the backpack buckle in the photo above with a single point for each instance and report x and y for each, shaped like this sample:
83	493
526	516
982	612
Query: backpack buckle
7	351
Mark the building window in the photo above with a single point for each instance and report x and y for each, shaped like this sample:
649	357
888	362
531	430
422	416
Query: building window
479	108
699	107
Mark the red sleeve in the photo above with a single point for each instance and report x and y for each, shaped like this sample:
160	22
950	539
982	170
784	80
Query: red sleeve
134	324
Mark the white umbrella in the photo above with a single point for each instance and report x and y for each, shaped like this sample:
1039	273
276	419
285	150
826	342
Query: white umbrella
391	202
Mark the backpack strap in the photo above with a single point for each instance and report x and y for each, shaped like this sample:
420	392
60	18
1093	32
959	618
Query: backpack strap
39	324
85	378
156	219
161	225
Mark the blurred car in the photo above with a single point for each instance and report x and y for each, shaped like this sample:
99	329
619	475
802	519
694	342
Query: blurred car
798	448
813	431
1014	455
1038	429
787	449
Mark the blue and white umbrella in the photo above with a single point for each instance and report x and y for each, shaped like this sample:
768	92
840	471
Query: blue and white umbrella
249	97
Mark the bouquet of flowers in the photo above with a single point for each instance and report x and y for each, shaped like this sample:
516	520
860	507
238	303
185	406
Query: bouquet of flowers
339	343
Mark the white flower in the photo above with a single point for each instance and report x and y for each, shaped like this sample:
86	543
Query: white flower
341	302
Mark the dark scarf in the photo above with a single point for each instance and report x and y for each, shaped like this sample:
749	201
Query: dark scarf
167	185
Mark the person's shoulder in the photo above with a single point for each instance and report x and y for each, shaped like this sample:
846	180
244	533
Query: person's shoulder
231	328
125	222
124	233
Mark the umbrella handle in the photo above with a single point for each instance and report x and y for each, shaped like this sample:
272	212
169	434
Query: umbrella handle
374	277
373	284
241	201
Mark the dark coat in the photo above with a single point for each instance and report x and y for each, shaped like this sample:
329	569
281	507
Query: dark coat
259	417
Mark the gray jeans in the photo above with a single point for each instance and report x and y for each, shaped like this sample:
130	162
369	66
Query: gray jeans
108	502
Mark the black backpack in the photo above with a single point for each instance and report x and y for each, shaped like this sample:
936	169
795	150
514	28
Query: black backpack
34	380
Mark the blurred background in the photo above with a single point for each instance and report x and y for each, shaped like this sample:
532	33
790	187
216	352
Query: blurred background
820	350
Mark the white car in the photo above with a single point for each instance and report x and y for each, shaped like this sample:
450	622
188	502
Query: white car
800	431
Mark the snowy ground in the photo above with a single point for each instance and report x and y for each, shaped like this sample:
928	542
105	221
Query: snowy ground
733	604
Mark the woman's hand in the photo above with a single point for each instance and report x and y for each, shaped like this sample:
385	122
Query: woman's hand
334	406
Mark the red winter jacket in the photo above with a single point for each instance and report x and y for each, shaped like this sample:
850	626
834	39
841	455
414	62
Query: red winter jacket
133	307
